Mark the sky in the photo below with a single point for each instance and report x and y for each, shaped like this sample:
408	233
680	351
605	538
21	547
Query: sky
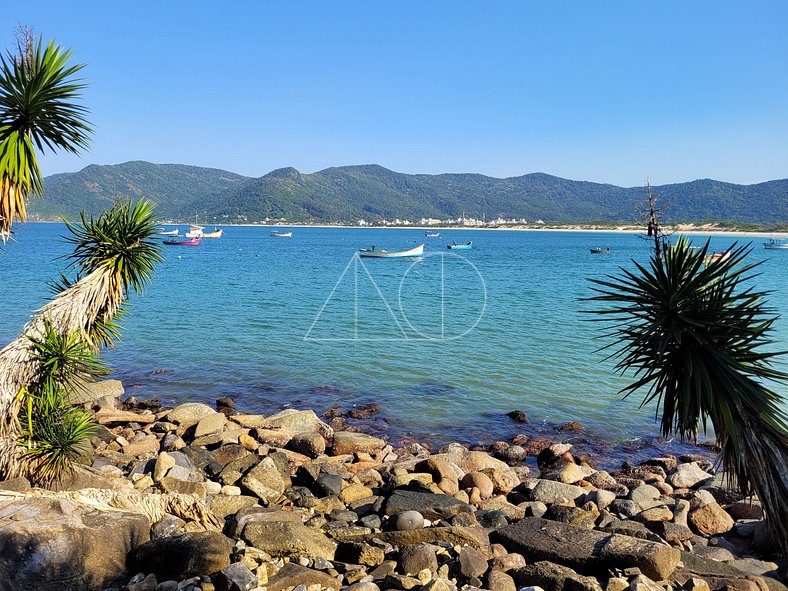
603	91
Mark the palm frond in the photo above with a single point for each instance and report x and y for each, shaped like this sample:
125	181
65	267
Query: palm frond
696	337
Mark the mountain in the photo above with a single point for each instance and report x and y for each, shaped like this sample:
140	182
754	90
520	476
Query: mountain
95	188
372	192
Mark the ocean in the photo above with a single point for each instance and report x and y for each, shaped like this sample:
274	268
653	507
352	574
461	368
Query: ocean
446	345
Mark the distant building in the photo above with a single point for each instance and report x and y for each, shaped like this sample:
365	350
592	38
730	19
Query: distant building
362	223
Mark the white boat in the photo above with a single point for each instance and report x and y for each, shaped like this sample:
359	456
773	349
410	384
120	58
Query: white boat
775	244
195	231
217	233
391	254
163	232
432	234
276	234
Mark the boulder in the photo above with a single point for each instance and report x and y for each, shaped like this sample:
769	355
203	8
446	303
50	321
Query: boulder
266	481
283	539
415	558
298	421
104	392
210	425
551	491
431	506
454	535
185	555
688	475
711	520
292	575
58	544
503	476
548	575
587	551
236	577
189	413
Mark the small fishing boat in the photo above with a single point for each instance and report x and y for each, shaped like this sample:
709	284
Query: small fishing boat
195	231
189	242
277	234
432	234
163	232
217	233
600	250
775	244
455	246
715	257
390	254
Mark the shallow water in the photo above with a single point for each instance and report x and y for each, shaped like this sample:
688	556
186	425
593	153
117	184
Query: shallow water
446	345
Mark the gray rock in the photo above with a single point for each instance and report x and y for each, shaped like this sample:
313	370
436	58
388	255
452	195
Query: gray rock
473	562
291	575
431	506
298	421
688	475
309	444
104	392
551	491
168	525
189	414
408	520
548	575
236	577
328	485
585	550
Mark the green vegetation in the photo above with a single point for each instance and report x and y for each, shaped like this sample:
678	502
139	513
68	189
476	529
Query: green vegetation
696	336
114	255
347	194
37	110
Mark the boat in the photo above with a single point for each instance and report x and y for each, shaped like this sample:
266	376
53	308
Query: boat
715	257
195	231
188	242
600	250
163	232
432	234
775	244
390	254
455	246
217	233
276	234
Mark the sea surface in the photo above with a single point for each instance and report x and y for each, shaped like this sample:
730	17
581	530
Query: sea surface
446	345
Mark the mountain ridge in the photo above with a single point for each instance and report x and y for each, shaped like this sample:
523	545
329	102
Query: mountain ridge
372	192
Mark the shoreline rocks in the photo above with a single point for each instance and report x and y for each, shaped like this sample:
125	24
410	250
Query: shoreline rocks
289	502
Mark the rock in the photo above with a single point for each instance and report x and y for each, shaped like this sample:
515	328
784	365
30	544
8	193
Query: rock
59	544
19	484
163	463
184	555
354	492
688	475
408	520
182	487
548	575
189	413
210	425
431	506
518	416
479	480
168	525
298	421
328	485
492	519
643	583
551	491
473	562
502	475
283	539
145	445
584	550
454	535
572	515
644	492
266	481
748	509
415	558
570	473
236	577
111	416
103	392
292	575
500	581
508	562
223	505
360	553
671	532
309	444
711	520
601	498
346	442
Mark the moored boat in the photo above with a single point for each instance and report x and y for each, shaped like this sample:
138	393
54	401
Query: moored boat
775	244
217	233
163	232
195	231
455	246
432	234
600	250
390	254
188	242
276	234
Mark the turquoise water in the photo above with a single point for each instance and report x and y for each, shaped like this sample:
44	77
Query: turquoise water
446	346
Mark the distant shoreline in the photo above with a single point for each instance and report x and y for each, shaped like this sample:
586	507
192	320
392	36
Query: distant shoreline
702	230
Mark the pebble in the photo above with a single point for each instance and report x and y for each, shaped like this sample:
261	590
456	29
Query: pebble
408	520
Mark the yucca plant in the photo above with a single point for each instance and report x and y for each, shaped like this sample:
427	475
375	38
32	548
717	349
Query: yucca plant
114	256
54	432
39	110
696	335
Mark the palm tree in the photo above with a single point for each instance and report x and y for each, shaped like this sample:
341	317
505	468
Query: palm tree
114	254
37	111
696	337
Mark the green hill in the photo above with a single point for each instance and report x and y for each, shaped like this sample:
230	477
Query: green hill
371	192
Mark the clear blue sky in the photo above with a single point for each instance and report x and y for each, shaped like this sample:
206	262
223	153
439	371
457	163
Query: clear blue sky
603	91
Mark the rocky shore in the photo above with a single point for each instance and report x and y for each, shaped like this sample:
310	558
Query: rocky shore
209	498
